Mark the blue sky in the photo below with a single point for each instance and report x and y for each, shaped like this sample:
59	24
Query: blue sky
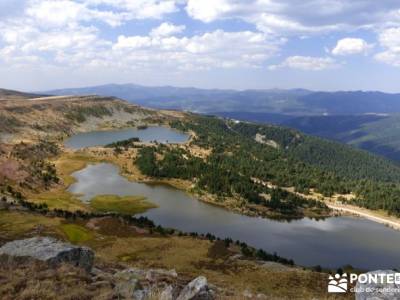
314	44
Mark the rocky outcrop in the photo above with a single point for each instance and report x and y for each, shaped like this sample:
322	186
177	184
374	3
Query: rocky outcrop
139	284
131	283
196	289
51	251
167	293
377	291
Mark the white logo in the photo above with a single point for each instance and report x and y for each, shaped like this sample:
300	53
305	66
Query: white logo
337	284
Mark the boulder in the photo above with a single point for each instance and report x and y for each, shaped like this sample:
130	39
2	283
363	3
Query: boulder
378	291
51	251
167	293
196	289
141	294
126	282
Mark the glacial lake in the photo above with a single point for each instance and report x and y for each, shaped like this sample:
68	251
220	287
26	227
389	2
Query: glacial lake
333	242
101	138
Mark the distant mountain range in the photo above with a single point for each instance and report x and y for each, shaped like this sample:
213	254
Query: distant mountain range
276	101
368	120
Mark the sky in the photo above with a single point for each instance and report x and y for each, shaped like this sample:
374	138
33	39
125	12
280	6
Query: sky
246	44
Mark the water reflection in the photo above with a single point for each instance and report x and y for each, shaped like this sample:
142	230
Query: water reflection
332	242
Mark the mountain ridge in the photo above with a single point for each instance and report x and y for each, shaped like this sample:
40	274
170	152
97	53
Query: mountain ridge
291	101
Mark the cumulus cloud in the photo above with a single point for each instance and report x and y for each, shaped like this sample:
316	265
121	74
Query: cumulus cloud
298	16
61	33
211	10
67	33
349	46
112	12
69	41
306	63
137	9
167	29
217	49
389	39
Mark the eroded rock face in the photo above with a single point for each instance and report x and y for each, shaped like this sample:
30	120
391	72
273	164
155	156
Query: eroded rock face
51	251
378	291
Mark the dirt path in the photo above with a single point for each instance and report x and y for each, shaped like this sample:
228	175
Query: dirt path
392	222
395	224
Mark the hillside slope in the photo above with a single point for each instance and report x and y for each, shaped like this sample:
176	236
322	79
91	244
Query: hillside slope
237	154
16	95
61	116
379	134
243	155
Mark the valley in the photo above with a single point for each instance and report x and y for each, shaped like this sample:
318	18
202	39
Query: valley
365	120
199	150
73	160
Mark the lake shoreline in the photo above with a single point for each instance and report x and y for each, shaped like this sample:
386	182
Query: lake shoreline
365	213
96	155
271	235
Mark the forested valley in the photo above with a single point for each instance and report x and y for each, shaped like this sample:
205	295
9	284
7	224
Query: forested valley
283	157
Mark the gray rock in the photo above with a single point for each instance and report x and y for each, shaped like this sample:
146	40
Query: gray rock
368	291
167	293
135	283
126	282
125	289
196	289
247	294
131	273
140	295
51	251
153	274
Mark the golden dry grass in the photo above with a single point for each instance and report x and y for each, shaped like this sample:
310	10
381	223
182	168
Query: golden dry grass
17	224
190	257
24	279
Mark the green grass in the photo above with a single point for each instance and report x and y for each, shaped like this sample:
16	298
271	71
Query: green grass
59	197
76	233
124	205
15	224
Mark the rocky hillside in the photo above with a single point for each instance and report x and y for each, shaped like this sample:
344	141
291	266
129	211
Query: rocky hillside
60	116
133	257
72	269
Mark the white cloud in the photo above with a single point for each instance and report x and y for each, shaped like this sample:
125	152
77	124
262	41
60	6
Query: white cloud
167	29
69	41
113	12
138	9
62	32
49	13
209	10
349	46
67	33
389	39
133	42
298	16
217	49
56	13
306	63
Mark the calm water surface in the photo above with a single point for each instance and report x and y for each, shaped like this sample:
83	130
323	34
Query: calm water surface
333	242
101	138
